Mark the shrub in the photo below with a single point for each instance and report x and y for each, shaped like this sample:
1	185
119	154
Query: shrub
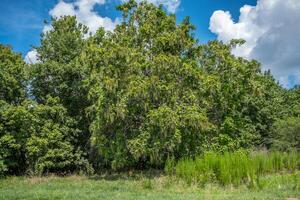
286	136
38	138
170	166
3	167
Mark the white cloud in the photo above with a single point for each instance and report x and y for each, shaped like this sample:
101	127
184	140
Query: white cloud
170	5
31	57
83	10
62	9
271	30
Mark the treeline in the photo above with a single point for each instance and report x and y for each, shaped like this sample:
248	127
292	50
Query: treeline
133	97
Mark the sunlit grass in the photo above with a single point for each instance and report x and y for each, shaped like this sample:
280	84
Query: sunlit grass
145	187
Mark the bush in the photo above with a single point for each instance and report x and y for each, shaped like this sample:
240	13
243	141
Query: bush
3	167
16	126
170	166
286	136
38	138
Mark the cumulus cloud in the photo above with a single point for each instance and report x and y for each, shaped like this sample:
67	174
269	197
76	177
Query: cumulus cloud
83	10
170	5
271	30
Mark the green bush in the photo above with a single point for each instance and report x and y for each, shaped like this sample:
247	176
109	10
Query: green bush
38	138
170	166
286	134
3	167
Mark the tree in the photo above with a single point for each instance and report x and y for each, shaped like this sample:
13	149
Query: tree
59	73
51	147
243	102
146	91
12	92
14	128
285	135
12	76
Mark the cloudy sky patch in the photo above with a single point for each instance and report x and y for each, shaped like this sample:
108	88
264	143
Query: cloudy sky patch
272	32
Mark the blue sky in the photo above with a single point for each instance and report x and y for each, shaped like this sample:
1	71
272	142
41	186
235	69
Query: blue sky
200	12
270	27
21	21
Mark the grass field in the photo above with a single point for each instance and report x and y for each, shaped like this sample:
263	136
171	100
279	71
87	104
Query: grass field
138	186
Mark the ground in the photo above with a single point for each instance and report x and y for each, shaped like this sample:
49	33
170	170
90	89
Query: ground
127	187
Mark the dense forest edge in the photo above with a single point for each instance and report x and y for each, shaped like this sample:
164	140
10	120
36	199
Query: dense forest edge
145	96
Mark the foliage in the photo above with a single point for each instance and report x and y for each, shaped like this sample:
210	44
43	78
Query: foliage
59	73
156	93
12	76
38	138
286	136
63	42
243	102
3	167
15	128
145	91
170	166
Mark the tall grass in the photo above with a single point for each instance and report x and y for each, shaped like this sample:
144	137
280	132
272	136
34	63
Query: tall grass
233	168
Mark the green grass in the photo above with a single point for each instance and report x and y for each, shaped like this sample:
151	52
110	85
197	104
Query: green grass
239	175
137	186
233	168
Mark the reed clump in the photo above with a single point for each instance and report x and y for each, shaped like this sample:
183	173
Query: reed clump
236	168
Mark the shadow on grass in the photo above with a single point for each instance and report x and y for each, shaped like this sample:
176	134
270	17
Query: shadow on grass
129	175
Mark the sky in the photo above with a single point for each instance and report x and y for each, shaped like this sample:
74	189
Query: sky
271	28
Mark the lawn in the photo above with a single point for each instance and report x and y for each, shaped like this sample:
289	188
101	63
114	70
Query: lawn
141	186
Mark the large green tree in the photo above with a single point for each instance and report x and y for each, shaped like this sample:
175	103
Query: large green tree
157	93
285	135
12	92
41	136
243	101
60	75
146	90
